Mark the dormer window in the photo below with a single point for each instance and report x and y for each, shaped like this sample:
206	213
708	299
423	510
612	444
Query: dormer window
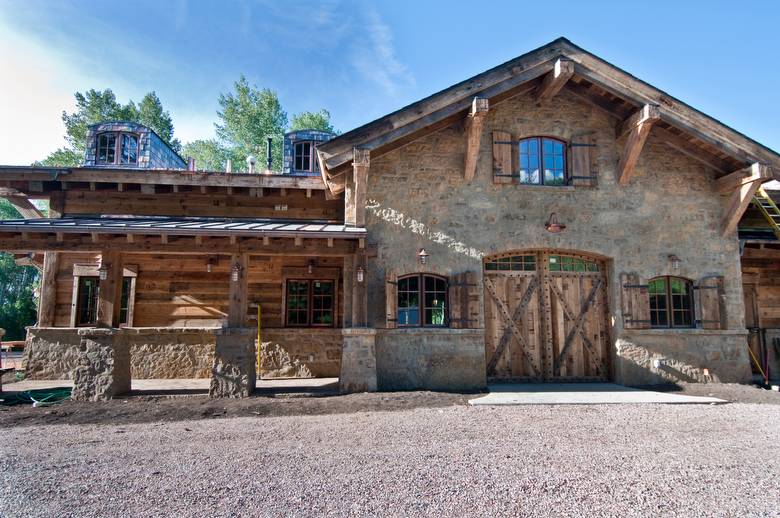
304	157
117	148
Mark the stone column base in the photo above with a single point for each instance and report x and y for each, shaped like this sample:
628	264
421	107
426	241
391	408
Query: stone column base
234	373
358	361
102	366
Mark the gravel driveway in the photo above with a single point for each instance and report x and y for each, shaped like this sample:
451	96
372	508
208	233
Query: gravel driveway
616	460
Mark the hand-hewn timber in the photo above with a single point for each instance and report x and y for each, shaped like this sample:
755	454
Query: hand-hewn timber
110	289
554	80
355	195
743	184
48	290
638	127
24	206
755	173
238	292
473	126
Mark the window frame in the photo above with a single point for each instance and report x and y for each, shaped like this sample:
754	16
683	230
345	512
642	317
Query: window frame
421	308
118	147
314	166
540	141
79	306
310	302
671	308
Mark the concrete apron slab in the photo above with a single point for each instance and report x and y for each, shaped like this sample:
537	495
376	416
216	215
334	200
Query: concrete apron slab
581	394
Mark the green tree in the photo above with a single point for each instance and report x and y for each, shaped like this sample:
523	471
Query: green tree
63	157
152	114
17	287
209	155
247	116
312	120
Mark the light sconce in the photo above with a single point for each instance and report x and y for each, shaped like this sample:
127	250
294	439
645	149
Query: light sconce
234	272
674	261
360	273
553	225
103	272
422	255
210	264
311	266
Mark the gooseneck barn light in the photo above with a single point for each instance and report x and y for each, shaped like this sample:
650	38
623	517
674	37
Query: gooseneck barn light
422	255
553	225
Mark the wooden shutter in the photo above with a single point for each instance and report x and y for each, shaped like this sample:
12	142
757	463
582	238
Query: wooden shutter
709	303
471	290
391	300
581	172
502	157
636	302
456	301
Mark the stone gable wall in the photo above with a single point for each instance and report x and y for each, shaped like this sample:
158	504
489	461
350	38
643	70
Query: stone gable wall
417	198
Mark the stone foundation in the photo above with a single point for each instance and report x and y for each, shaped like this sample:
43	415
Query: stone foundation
682	357
103	366
431	359
358	361
234	373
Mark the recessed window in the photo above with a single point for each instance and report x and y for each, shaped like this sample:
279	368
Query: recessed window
124	304
671	302
305	158
87	301
117	148
310	303
542	161
422	301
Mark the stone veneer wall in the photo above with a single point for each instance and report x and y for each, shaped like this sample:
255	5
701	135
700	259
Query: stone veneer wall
165	352
431	359
417	198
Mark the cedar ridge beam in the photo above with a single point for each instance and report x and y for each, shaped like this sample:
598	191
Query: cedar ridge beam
473	125
637	126
554	80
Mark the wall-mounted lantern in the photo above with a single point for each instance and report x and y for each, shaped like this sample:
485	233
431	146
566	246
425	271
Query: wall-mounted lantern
234	272
674	261
210	264
422	256
103	272
360	273
310	266
552	224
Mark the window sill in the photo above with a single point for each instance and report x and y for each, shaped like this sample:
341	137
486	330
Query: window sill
551	188
686	331
432	330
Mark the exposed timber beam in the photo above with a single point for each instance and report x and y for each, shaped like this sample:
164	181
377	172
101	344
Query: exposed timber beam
474	123
554	80
638	127
693	151
754	173
355	192
744	184
24	206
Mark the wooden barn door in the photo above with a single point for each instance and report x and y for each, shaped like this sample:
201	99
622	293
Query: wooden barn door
546	318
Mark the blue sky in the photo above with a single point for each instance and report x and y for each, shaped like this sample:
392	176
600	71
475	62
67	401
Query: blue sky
361	60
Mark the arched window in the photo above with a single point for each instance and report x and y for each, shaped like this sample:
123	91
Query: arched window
542	161
671	302
422	301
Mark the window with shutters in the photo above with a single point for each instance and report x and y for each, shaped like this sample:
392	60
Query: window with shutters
422	301
671	302
542	161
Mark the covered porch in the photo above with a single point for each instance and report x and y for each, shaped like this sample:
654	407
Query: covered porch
177	298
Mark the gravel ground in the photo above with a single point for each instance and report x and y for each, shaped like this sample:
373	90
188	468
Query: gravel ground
611	460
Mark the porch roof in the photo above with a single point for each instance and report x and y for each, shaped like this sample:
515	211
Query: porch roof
186	226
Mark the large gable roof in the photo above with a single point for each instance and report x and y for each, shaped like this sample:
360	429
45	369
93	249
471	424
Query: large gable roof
595	81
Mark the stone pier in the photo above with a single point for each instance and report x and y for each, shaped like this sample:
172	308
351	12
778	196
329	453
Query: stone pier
358	361
102	366
235	363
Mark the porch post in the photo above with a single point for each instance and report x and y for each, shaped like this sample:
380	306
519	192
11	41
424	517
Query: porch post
110	289
234	373
359	292
48	295
358	351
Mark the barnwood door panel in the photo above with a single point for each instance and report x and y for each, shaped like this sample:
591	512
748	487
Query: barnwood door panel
579	337
512	330
547	325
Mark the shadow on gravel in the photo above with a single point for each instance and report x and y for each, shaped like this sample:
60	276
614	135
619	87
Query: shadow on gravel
732	392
